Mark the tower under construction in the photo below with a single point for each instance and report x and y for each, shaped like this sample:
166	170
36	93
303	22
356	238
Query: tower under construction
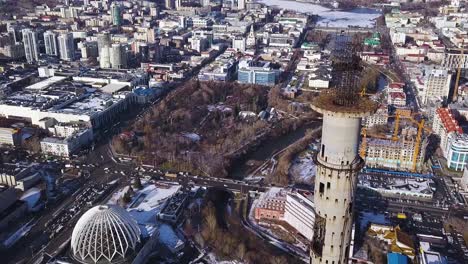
338	161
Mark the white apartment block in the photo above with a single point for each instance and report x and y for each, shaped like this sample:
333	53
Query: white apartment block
300	214
379	118
65	146
239	43
436	85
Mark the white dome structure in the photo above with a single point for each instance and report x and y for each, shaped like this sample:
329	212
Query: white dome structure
105	234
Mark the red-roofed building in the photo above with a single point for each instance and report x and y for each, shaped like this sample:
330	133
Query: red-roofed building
444	125
377	58
396	98
395	87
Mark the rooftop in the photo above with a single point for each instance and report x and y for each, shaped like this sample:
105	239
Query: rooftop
326	103
448	120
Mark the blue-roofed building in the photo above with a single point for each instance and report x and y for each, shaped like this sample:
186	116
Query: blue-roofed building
144	94
396	258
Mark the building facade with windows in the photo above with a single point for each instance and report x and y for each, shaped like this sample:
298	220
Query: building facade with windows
257	72
444	125
457	151
31	45
300	213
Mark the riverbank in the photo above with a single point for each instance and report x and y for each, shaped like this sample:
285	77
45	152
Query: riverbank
356	17
244	166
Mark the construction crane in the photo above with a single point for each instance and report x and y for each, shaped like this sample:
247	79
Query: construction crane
396	128
457	80
394	137
364	143
417	146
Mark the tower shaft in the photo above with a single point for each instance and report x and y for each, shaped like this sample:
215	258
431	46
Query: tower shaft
338	163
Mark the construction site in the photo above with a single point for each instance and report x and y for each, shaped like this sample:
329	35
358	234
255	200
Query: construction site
398	147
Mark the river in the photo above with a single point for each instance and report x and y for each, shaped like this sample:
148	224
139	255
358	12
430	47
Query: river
241	168
361	17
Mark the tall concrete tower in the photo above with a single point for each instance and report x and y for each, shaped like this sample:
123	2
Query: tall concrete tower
338	163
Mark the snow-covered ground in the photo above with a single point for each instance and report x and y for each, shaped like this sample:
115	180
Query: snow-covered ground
146	204
361	17
303	168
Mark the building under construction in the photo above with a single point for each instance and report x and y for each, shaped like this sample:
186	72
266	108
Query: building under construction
388	153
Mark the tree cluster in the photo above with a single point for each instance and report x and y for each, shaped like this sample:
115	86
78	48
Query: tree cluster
281	174
231	240
208	110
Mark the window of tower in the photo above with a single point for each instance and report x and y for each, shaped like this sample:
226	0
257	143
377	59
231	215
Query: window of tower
323	150
328	185
321	187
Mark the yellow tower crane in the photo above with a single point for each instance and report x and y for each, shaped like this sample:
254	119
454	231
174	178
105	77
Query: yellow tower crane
396	128
364	143
457	80
417	146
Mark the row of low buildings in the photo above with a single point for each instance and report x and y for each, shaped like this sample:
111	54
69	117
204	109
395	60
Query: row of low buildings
430	56
71	106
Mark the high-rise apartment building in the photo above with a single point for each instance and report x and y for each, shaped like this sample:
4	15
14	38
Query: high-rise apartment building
31	46
178	4
118	56
103	41
66	46
116	15
50	42
436	85
241	4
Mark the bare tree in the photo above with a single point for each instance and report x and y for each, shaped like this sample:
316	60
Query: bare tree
241	250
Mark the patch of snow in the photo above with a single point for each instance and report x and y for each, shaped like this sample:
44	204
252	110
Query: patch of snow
154	198
221	108
118	195
362	17
112	182
192	136
31	197
303	168
146	204
212	260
